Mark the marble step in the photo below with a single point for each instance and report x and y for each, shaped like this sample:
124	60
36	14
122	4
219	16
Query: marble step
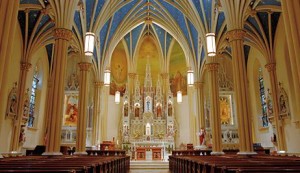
149	165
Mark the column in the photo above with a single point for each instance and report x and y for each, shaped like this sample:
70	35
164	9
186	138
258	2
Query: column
290	12
104	114
275	99
82	108
25	66
9	19
192	118
57	80
200	106
96	115
215	108
241	93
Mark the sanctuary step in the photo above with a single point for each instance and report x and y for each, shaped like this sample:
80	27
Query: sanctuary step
151	164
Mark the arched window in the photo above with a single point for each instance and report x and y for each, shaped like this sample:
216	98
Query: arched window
34	85
263	102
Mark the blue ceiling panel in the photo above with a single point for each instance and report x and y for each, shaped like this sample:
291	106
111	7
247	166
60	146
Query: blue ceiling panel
78	23
49	49
22	20
127	40
207	9
161	36
255	24
100	4
44	20
198	7
168	42
221	20
263	17
30	2
136	32
194	35
33	17
274	21
119	16
89	9
103	35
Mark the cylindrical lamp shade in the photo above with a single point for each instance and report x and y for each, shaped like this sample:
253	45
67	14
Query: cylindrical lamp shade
179	97
106	77
190	77
211	44
89	43
117	97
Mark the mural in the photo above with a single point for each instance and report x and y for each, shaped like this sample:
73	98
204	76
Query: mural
177	70
148	50
225	109
71	109
118	70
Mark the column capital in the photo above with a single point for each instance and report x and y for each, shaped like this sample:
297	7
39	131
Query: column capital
165	75
212	66
236	34
199	84
84	66
132	75
62	33
25	66
98	84
271	66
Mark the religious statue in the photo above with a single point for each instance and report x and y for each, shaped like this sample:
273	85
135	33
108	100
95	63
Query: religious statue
136	111
202	136
169	109
159	111
126	110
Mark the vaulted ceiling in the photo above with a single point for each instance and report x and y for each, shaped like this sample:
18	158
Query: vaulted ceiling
187	21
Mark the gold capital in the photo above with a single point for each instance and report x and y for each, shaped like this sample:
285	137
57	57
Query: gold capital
271	67
131	75
25	66
236	34
98	84
199	84
212	66
84	66
62	33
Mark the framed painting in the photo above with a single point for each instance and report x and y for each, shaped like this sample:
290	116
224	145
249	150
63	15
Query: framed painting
71	109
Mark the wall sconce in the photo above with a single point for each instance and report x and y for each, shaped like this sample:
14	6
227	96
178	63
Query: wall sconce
89	43
117	97
190	77
179	97
211	44
107	77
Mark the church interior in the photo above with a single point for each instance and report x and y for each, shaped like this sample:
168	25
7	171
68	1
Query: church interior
150	80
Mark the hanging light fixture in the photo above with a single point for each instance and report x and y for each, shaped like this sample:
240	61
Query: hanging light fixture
89	43
211	44
190	77
107	77
117	97
179	97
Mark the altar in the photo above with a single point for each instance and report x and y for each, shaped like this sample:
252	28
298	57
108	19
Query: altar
148	153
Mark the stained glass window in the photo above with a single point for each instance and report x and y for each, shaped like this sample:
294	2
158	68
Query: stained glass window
34	85
263	102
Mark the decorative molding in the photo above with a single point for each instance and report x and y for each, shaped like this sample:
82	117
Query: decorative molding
62	33
212	66
225	83
25	66
45	11
98	84
73	83
236	34
198	84
12	102
84	66
132	75
271	67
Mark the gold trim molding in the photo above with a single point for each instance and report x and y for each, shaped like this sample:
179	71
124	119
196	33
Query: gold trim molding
271	67
25	66
212	66
84	66
62	33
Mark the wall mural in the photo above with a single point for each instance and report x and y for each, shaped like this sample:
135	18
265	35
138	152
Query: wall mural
148	50
71	109
118	70
177	70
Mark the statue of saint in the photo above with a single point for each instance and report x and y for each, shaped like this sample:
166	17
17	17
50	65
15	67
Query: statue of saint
136	111
202	136
169	109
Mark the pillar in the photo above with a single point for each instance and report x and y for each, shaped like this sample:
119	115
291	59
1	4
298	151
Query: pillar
290	12
214	108
96	138
271	67
57	80
236	37
9	19
200	106
25	66
82	108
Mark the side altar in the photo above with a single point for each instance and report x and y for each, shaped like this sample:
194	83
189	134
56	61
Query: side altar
148	121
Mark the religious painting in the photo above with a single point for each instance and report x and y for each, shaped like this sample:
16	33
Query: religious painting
284	110
226	109
71	109
12	102
178	70
118	70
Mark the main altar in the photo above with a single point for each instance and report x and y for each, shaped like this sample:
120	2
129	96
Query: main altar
148	122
